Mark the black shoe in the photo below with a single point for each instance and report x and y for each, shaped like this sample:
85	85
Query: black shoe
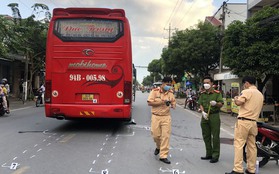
157	151
233	172
206	157
165	160
247	172
213	160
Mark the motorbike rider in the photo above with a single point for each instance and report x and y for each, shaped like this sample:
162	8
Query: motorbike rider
6	91
3	90
189	94
41	91
250	101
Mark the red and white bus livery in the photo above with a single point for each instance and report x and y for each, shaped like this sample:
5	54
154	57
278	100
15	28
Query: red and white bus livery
89	71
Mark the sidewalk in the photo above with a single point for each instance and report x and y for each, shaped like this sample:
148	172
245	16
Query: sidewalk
16	103
226	118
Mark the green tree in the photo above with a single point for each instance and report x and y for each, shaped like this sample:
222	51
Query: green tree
195	50
155	68
252	48
29	39
147	81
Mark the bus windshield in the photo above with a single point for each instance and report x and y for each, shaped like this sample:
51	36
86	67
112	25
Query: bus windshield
88	29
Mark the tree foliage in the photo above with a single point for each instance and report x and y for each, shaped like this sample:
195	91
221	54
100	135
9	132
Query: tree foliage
195	50
27	37
252	47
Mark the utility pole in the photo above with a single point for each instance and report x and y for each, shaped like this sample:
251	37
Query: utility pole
222	29
169	33
25	84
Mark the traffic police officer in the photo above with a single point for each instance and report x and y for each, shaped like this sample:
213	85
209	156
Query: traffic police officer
210	101
250	102
162	99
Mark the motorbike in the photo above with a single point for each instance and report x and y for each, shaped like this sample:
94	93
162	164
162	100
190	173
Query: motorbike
38	98
267	142
192	102
2	109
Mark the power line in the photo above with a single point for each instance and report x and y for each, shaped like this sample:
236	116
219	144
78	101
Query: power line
172	13
193	2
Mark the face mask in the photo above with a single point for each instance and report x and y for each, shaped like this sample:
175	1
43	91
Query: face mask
166	88
206	86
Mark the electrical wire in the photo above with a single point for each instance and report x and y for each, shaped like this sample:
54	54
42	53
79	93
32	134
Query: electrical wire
172	13
193	2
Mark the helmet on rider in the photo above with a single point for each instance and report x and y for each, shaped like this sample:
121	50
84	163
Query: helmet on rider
4	81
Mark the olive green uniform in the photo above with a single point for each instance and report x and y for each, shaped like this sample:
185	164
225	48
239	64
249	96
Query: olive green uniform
211	127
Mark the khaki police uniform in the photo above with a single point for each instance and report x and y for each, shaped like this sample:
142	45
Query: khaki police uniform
211	127
161	119
246	128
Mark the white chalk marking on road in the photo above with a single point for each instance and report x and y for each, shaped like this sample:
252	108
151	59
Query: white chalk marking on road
44	140
4	165
45	131
94	162
98	155
114	147
111	154
39	150
173	171
35	145
126	135
101	149
32	156
104	144
224	130
24	151
109	161
14	158
67	138
48	144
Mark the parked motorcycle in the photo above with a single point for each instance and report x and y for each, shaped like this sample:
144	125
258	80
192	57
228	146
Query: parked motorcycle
267	142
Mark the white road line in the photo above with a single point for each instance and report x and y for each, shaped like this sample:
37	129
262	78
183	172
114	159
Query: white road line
21	108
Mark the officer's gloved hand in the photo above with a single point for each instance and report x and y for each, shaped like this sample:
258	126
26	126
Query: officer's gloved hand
204	115
213	103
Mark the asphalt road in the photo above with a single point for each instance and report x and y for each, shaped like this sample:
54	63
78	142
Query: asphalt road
33	144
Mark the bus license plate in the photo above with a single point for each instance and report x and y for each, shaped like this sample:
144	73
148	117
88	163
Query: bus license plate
87	96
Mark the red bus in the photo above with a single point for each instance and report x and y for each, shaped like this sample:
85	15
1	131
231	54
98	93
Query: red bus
89	71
